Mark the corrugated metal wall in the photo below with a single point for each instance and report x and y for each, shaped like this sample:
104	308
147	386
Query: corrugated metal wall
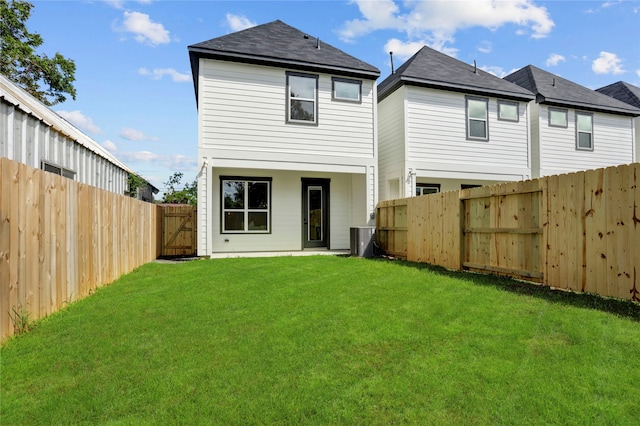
27	139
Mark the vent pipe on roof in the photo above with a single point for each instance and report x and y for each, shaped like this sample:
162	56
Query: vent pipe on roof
318	43
554	83
393	71
475	67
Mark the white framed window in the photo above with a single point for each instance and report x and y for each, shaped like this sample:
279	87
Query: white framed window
508	111
52	168
584	131
427	188
477	118
302	98
344	89
558	117
246	205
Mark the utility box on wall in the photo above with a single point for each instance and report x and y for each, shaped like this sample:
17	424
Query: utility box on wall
362	238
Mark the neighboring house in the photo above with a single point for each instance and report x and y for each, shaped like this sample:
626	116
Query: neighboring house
574	128
33	134
146	192
286	142
629	94
446	125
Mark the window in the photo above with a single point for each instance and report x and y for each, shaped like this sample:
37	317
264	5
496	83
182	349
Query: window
557	117
469	186
427	188
246	205
302	98
584	130
477	118
508	111
51	168
346	90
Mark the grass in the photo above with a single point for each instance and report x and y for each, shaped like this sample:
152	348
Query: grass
324	340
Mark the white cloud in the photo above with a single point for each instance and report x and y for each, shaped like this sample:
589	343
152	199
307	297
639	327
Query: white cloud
610	3
497	71
138	156
239	22
485	47
119	4
81	121
179	162
144	29
441	18
607	63
638	72
554	59
158	73
135	135
404	50
174	162
109	146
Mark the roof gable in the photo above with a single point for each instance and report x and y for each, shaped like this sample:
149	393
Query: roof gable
554	90
430	68
278	44
624	92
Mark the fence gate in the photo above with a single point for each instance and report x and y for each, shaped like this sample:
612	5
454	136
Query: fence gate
503	230
178	230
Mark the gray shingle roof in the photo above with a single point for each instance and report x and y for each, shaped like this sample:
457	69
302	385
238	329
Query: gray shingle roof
278	44
430	68
554	90
624	92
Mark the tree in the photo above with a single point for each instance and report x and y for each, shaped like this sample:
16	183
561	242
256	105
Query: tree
187	195
48	79
135	182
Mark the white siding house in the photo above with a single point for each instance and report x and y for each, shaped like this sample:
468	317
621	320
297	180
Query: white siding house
444	124
575	128
286	142
33	134
629	94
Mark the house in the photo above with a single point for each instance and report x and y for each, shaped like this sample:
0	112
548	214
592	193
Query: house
574	128
287	142
33	134
630	94
446	125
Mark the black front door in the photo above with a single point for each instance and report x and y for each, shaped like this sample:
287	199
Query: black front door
315	213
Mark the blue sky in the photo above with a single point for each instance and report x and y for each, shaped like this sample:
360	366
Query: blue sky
133	78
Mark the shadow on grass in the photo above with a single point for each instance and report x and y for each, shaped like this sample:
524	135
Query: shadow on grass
622	308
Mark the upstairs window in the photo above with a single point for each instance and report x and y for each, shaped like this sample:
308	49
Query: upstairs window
246	205
477	118
508	111
302	98
558	117
52	168
346	90
584	131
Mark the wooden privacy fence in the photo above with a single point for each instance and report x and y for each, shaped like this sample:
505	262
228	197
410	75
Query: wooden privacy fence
60	240
579	231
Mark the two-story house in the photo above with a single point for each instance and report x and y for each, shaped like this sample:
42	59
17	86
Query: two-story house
446	125
572	127
629	94
287	142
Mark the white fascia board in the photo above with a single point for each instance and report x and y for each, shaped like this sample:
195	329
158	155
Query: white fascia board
283	165
467	171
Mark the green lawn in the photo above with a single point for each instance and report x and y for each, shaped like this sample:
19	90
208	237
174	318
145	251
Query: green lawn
325	340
